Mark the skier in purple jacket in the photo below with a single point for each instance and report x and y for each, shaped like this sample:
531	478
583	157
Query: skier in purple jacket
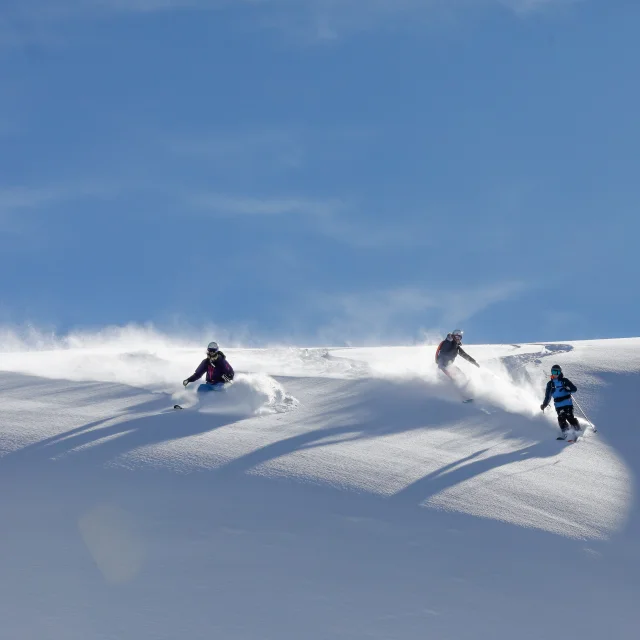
215	365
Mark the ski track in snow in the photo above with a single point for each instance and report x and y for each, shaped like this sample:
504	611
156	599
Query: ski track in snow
284	458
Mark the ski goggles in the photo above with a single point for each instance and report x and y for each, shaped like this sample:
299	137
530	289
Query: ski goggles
555	373
213	354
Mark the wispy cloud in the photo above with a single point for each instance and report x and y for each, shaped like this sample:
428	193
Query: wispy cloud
337	219
65	9
22	20
22	208
13	199
247	206
327	20
268	149
374	316
528	6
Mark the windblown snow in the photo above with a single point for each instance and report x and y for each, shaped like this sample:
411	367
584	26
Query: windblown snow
326	493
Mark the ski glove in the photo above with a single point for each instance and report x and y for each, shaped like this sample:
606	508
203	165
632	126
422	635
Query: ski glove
185	382
226	378
543	407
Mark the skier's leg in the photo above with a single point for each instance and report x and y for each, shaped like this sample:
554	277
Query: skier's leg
573	421
463	378
455	374
445	370
458	379
562	420
211	386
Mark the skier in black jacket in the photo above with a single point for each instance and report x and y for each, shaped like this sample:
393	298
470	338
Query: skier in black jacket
448	350
215	365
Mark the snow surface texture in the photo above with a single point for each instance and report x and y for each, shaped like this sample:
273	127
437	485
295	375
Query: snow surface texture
326	493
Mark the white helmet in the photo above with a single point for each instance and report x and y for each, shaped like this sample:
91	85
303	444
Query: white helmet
212	348
456	334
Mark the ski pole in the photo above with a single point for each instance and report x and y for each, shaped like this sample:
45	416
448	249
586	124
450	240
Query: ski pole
593	426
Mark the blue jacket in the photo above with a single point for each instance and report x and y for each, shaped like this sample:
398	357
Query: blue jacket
217	371
560	389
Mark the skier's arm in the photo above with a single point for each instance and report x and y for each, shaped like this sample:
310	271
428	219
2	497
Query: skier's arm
224	371
438	351
200	371
569	386
547	396
228	369
466	356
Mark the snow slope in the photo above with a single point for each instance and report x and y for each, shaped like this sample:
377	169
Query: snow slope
328	493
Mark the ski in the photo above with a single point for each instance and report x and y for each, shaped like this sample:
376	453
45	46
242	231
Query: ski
573	439
479	406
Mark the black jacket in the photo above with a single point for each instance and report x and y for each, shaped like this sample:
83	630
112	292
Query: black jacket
448	350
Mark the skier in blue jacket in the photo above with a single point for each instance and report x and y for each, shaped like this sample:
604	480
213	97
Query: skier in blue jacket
215	365
560	389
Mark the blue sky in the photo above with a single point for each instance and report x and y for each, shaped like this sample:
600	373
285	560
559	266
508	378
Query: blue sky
320	171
